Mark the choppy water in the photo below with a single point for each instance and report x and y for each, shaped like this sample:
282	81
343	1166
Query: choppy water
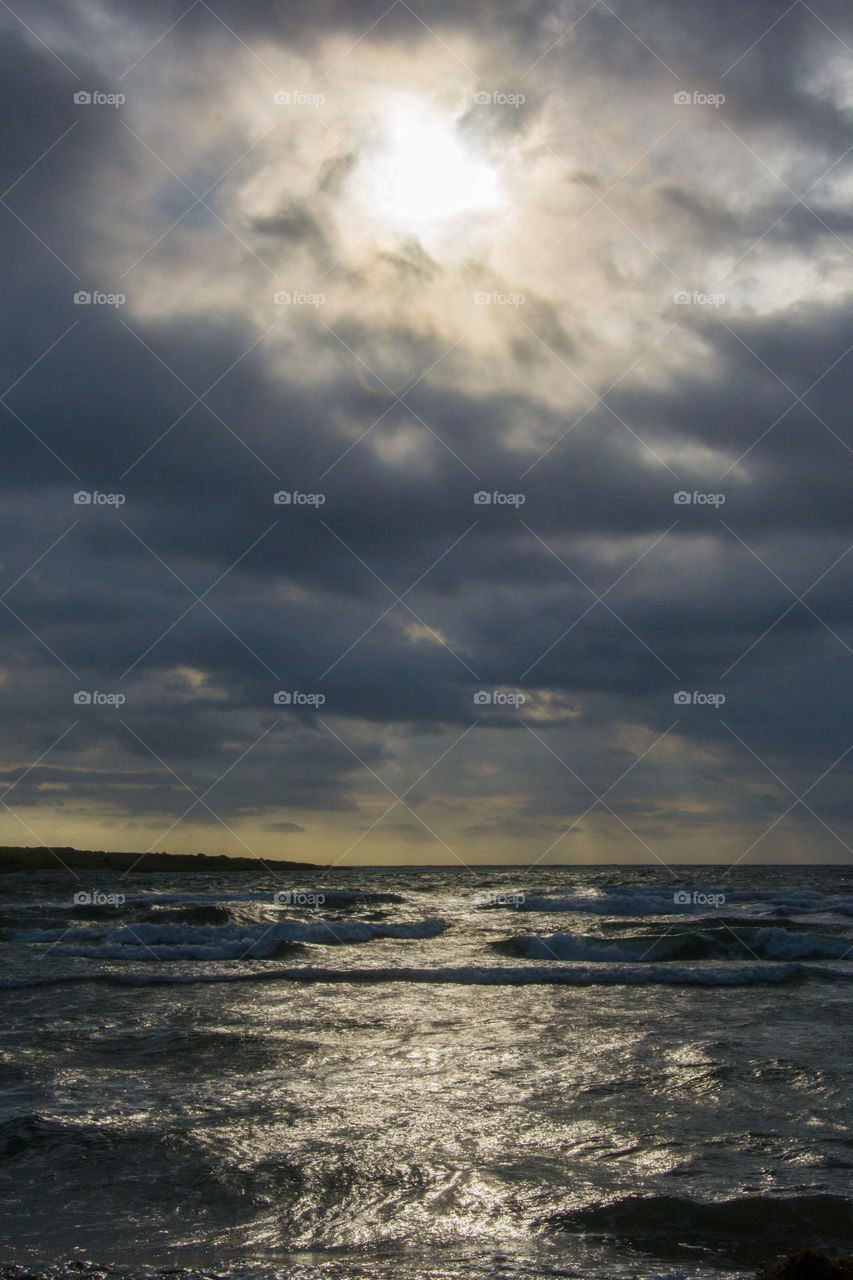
561	1072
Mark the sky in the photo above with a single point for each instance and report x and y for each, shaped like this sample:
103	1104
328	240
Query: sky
427	429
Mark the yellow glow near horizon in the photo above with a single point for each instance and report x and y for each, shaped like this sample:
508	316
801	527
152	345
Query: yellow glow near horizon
420	174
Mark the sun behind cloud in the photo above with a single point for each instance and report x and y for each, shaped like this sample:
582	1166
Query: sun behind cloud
417	174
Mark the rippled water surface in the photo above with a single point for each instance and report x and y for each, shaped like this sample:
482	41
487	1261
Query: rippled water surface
606	1072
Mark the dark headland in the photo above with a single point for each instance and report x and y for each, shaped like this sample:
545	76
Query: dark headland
17	859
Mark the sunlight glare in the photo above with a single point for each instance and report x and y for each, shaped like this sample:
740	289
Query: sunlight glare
421	174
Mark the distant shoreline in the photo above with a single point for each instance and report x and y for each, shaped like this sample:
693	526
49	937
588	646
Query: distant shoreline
66	859
69	861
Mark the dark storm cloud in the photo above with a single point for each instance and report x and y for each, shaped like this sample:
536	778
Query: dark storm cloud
298	595
295	225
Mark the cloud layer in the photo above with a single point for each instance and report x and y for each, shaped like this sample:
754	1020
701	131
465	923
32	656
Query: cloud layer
519	533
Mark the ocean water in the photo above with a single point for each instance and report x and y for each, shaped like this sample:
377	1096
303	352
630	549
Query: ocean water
380	1072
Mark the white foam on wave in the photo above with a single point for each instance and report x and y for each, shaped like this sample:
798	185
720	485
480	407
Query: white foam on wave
663	900
570	946
771	943
628	904
327	897
214	942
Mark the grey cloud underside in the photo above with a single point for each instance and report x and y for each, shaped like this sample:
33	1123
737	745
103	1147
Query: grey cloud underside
289	611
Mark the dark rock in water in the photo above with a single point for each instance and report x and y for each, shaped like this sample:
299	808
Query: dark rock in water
809	1264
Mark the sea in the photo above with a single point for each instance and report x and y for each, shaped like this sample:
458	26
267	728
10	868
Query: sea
375	1072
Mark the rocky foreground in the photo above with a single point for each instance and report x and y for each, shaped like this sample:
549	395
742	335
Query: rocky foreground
810	1264
806	1264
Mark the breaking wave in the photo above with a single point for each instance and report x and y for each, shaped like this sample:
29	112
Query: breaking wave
770	943
182	941
745	1227
660	900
